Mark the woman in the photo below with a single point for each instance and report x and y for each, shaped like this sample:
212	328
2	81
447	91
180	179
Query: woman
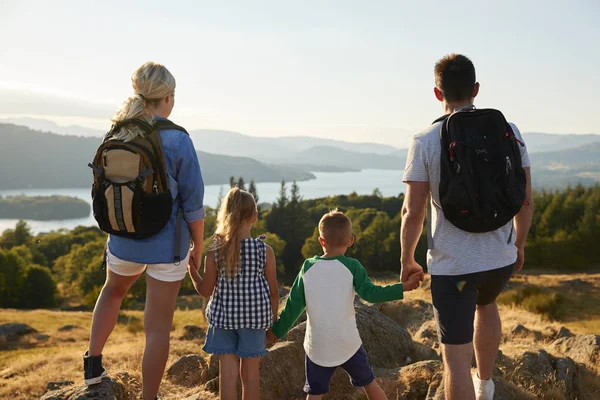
126	258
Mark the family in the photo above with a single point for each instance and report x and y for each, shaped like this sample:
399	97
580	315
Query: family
468	172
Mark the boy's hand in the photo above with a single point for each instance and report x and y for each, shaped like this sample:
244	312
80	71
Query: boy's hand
271	338
413	281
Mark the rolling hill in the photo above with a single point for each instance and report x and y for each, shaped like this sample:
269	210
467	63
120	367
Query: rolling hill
34	159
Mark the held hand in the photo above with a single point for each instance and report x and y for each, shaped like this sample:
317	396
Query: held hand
271	338
413	281
520	259
410	268
195	258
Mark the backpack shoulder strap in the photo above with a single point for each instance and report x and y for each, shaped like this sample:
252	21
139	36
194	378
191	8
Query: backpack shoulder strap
442	118
164	124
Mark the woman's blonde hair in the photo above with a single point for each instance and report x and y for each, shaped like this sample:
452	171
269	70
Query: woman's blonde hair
151	82
237	207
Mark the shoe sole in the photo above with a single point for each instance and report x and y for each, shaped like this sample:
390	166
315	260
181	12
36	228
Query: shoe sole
96	380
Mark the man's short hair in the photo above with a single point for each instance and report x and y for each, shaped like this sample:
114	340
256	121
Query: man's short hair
336	228
455	77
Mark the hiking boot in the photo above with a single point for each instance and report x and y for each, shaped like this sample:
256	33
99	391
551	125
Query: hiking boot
484	390
93	371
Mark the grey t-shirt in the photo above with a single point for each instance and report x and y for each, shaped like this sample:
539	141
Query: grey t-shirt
456	252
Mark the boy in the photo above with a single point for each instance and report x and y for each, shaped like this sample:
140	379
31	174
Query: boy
325	288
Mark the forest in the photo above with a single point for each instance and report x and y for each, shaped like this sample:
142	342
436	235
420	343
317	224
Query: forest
43	208
64	268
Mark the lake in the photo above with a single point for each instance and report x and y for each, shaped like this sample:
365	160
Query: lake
389	182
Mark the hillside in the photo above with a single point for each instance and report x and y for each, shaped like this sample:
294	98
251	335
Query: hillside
43	208
547	142
44	160
569	166
539	358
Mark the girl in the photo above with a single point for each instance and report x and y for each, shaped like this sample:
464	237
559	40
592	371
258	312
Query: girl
126	258
240	278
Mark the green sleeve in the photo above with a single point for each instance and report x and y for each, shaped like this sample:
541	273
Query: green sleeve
294	306
370	292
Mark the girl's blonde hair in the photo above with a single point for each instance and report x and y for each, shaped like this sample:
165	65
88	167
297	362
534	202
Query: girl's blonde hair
151	82
237	207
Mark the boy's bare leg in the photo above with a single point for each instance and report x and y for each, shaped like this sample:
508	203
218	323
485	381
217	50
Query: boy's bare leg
374	391
314	397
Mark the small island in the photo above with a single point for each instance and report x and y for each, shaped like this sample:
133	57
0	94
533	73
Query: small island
43	208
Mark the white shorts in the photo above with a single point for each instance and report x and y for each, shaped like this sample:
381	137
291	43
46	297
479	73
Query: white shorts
169	272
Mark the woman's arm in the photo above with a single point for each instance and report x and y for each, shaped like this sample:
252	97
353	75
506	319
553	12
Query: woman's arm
271	275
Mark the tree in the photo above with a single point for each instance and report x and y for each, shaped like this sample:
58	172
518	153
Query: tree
39	288
19	236
296	198
232	182
282	200
220	198
377	193
11	278
252	190
241	184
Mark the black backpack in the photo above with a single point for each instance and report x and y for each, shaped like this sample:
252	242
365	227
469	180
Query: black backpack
482	180
130	193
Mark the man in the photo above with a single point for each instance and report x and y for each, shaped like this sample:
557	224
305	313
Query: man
468	270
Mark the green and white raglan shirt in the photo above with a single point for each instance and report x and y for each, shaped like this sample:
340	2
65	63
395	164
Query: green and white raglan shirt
325	288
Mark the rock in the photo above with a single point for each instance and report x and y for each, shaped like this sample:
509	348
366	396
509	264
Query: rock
15	330
409	314
108	389
423	352
581	348
387	344
189	370
417	378
503	390
539	371
203	396
564	333
58	385
283	292
213	367
68	328
520	330
192	332
42	337
282	369
576	283
427	334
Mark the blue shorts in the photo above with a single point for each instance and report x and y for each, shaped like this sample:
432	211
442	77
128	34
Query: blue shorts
357	367
245	343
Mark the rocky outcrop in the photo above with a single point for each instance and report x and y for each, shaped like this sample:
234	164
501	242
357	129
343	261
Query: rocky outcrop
190	370
192	332
108	389
581	348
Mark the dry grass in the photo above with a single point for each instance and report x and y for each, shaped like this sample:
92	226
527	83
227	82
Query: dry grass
26	369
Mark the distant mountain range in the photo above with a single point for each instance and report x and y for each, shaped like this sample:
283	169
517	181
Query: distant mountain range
34	159
45	159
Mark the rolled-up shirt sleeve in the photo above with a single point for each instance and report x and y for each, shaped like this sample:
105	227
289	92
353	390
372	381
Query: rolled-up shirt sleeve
190	182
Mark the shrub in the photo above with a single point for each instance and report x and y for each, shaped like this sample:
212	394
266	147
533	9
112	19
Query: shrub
535	300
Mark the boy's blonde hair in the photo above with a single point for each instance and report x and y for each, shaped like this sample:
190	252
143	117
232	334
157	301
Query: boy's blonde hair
335	228
237	207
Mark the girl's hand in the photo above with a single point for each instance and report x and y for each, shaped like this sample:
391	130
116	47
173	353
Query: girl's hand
271	338
195	258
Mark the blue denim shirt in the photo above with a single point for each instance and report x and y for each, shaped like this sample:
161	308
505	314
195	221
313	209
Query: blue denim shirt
187	190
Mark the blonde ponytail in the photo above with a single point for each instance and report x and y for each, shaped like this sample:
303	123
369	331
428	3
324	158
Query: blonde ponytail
151	82
237	207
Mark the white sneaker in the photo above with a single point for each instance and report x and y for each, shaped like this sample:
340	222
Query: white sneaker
484	390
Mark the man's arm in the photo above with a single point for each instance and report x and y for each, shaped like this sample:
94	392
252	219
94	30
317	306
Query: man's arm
413	215
523	222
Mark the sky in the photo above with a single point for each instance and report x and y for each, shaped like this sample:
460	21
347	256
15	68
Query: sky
349	70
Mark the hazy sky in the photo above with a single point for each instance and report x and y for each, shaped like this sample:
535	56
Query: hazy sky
351	70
